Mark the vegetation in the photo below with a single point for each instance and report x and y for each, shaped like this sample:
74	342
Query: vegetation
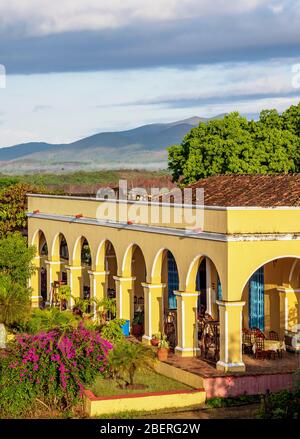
105	307
80	303
50	369
48	319
234	145
112	330
80	177
153	382
126	359
13	206
63	295
16	268
219	402
281	405
163	343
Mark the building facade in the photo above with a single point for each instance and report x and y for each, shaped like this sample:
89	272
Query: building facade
242	266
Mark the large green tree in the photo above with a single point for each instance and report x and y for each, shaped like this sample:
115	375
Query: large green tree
234	145
16	267
13	206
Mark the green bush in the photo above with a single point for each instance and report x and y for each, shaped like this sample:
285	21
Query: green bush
219	402
112	330
43	320
280	405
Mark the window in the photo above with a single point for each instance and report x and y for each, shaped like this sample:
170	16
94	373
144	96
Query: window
201	285
64	254
256	300
173	282
219	289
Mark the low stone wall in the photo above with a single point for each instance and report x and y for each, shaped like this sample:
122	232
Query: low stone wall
97	406
183	376
230	386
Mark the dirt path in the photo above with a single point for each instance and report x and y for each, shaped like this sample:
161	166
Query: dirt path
240	412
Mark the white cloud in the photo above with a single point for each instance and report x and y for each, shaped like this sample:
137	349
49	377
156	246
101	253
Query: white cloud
54	16
10	136
85	103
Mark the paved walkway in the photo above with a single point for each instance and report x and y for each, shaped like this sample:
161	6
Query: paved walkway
239	412
289	363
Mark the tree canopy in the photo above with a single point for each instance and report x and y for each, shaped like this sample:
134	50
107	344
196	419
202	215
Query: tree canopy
16	267
13	206
235	145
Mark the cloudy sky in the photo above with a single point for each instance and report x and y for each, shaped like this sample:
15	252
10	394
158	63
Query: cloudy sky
74	67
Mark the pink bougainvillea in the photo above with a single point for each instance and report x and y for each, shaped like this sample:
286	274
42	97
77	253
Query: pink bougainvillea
60	363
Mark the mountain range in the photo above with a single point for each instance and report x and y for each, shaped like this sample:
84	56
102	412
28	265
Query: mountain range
142	147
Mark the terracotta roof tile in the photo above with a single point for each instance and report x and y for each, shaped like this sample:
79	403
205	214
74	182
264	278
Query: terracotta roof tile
251	190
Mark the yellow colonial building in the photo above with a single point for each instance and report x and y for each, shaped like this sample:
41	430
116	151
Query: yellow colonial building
241	266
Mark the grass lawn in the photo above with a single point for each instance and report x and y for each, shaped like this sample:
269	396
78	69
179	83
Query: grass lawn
153	381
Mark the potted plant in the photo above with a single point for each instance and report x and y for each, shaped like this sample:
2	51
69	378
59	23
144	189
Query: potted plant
105	309
163	348
156	339
63	296
137	324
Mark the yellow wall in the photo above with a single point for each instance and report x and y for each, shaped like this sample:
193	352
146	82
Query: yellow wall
235	257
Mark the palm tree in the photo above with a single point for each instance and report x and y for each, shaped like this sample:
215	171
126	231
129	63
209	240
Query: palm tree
128	358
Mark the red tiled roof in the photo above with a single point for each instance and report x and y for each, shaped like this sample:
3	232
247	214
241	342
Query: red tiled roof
251	190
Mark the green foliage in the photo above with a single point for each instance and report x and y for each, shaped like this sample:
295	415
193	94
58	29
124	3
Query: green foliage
16	268
112	330
280	405
163	343
80	177
128	358
235	145
7	181
138	318
104	307
52	318
13	206
64	292
17	397
219	402
14	301
80	303
16	258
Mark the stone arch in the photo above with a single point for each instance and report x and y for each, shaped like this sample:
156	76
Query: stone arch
157	265
165	260
134	267
256	267
106	262
279	295
213	284
57	241
76	253
294	273
39	240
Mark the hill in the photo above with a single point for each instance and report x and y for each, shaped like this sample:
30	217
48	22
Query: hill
141	147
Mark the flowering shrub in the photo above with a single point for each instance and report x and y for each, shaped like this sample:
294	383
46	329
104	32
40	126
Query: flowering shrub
52	367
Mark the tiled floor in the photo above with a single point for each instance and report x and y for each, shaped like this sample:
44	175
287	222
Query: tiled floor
289	363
